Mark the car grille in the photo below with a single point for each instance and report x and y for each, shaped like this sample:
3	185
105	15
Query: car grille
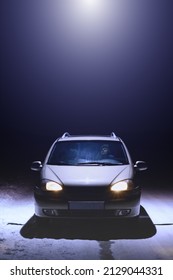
86	193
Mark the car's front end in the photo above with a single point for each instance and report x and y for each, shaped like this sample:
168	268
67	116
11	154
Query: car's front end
77	180
86	197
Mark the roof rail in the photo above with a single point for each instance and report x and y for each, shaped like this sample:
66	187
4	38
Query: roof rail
113	135
66	134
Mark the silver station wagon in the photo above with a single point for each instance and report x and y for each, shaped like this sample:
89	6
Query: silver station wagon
87	176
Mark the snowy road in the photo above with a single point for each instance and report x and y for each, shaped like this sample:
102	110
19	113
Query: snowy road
22	238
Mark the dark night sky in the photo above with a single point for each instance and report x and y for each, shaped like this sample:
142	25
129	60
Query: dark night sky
82	67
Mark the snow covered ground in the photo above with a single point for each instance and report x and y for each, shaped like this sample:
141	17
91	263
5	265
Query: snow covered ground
21	238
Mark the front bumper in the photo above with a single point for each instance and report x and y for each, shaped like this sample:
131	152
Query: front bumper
125	204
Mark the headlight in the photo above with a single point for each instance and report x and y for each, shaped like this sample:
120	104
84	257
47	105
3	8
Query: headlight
122	186
53	186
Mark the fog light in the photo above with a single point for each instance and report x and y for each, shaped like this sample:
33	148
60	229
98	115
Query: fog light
50	212
122	212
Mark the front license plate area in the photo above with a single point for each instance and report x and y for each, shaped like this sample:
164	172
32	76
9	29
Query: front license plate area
86	205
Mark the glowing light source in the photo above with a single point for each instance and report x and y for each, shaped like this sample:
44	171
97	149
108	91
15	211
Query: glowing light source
120	186
91	4
89	28
53	186
90	8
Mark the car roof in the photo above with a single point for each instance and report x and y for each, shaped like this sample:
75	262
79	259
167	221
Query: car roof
67	137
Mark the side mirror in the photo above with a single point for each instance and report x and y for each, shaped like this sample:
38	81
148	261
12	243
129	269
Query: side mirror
140	165
36	165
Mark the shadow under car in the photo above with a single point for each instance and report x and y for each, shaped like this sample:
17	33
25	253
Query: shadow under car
90	229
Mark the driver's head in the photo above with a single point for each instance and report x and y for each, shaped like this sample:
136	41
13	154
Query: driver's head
105	150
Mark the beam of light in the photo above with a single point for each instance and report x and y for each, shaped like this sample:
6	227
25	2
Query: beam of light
91	4
85	21
88	28
89	11
86	16
91	7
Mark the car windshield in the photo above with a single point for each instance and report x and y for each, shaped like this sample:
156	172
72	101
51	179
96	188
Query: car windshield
88	153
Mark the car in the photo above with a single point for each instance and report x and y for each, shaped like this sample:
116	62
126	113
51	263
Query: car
87	176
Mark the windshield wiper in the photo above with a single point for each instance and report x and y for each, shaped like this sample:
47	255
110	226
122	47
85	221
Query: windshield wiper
59	163
98	163
89	163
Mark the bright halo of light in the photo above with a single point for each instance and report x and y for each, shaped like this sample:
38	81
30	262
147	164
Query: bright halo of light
87	9
91	4
90	27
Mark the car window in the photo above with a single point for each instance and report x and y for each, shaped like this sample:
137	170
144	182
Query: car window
88	152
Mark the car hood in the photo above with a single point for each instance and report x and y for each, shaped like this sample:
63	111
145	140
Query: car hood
87	175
